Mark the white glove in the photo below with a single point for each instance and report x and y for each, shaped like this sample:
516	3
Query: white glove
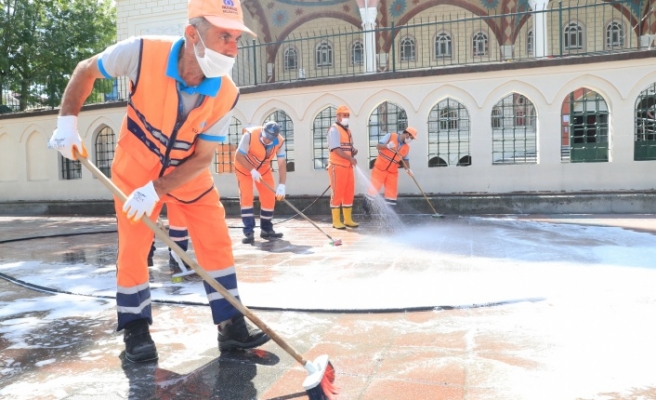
141	201
280	192
66	136
256	175
410	172
391	145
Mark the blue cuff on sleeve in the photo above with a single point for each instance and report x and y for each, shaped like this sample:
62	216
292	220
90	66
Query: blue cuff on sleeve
102	69
212	138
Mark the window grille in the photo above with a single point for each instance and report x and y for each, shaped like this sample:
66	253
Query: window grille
573	36
480	44
408	49
645	125
290	58
448	135
225	153
357	53
287	131
105	145
529	43
386	118
320	126
584	127
70	169
514	136
443	46
324	55
614	35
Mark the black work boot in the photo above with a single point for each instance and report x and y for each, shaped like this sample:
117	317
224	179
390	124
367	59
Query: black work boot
139	346
271	234
249	239
239	334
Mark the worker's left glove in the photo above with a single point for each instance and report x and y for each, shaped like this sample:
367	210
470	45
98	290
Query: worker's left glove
391	145
410	172
66	136
280	192
141	201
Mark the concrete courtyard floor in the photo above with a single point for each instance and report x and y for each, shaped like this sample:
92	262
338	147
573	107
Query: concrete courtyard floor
477	308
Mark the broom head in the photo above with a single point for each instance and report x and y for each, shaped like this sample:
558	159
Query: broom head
319	384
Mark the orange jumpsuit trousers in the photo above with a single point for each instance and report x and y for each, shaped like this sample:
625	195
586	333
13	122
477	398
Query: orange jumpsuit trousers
246	197
390	180
342	183
204	217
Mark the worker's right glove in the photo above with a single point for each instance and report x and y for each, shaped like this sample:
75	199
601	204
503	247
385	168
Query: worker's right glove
141	201
391	145
66	136
256	175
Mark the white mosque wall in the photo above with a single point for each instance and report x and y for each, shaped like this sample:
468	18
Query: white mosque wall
31	172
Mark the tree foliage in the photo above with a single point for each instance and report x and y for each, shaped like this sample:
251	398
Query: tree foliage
41	42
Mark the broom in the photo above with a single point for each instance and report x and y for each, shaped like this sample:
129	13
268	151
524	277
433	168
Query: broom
333	242
319	382
405	166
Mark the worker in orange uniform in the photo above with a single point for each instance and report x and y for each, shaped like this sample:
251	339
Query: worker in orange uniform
179	108
253	159
341	163
393	150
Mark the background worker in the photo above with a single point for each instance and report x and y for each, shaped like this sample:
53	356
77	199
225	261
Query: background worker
393	152
253	158
178	109
341	162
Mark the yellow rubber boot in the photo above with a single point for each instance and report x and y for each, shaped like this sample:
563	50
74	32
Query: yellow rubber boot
348	220
337	221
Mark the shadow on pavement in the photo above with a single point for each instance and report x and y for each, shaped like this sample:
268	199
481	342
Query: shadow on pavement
228	377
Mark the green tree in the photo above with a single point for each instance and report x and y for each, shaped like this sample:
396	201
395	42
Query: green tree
41	42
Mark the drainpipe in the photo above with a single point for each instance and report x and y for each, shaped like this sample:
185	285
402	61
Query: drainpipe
539	27
368	15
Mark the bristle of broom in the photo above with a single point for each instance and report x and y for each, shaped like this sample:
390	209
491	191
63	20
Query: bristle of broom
326	390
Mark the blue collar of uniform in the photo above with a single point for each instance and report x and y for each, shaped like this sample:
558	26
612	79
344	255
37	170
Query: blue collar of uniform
268	146
208	87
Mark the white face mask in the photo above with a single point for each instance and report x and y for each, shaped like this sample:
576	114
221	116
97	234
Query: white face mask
408	140
344	122
213	64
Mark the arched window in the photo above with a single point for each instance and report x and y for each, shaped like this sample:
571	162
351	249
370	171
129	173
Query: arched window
407	49
105	145
225	152
287	131
357	53
290	57
324	56
448	135
584	127
529	43
614	35
514	136
320	126
70	169
479	43
645	125
386	118
573	36
443	46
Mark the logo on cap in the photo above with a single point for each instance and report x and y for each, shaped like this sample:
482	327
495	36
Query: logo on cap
229	7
